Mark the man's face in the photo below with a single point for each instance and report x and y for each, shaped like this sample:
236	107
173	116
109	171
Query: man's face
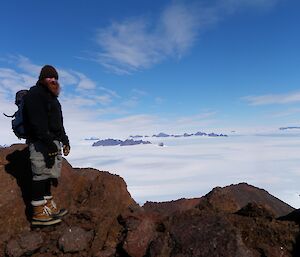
53	85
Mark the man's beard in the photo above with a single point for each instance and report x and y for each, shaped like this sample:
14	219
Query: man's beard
54	88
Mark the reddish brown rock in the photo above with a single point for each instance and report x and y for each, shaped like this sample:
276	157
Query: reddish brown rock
94	199
238	220
196	233
206	232
13	249
171	207
234	197
75	239
25	244
231	199
266	237
15	196
256	210
140	230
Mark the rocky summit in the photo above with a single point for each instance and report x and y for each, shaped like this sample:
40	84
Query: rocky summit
104	221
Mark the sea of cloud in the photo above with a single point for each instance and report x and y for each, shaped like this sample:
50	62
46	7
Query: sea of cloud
191	167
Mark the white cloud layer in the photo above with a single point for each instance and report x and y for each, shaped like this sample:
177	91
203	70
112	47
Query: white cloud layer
191	167
139	43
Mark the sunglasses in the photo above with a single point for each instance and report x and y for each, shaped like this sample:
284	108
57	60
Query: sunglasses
52	81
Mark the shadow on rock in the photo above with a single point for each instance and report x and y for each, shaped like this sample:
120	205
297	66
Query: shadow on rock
294	216
19	167
296	250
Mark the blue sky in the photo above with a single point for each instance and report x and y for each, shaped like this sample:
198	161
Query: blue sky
130	67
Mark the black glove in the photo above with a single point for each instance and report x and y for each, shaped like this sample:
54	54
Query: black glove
49	161
50	155
52	148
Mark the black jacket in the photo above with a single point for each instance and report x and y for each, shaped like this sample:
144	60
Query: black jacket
43	118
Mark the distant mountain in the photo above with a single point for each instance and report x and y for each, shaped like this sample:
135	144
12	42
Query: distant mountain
92	139
112	142
108	142
189	135
134	142
286	128
161	134
200	134
137	136
216	135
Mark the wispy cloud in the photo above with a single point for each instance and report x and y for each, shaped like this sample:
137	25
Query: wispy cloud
234	5
78	89
84	82
93	110
12	81
26	74
139	43
128	46
97	109
158	100
273	99
109	91
180	24
26	65
104	99
139	92
203	118
286	113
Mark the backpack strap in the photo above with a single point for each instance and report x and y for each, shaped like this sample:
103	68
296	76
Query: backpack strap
9	116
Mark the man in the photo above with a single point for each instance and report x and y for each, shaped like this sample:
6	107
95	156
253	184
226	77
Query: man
46	136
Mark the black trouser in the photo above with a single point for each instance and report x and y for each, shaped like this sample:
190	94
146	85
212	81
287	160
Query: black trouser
42	188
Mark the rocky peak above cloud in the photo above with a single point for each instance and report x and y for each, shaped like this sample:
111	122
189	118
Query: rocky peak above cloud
112	142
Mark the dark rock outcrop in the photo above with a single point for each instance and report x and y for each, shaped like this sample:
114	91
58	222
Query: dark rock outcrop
107	142
104	221
161	134
199	133
233	198
112	142
286	128
134	142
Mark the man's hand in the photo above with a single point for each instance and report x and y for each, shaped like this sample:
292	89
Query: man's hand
66	150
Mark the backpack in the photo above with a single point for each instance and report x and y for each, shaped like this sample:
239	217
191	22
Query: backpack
18	119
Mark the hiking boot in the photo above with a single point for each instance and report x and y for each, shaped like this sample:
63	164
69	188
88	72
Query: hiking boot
42	214
55	212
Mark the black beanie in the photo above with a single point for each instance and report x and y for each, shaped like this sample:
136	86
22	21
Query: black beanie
48	71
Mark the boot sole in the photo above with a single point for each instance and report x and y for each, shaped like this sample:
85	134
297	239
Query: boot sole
45	223
62	213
